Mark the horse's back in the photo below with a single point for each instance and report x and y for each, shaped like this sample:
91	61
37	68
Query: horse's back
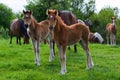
14	27
68	17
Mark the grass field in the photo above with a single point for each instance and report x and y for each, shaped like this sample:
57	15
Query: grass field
17	63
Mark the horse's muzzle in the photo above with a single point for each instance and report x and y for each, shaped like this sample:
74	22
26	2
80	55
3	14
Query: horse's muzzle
51	27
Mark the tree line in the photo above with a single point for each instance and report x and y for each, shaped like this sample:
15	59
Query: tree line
81	8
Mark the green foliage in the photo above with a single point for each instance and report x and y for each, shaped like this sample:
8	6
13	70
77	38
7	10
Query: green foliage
17	63
39	7
100	20
4	33
6	15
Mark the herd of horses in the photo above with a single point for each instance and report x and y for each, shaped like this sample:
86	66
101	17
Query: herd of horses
61	28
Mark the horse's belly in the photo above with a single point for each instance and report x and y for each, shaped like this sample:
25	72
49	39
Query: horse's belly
73	41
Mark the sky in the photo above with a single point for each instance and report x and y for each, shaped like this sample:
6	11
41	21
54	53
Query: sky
18	5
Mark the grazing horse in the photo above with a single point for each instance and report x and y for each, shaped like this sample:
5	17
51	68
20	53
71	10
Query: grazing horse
18	29
37	32
111	32
95	38
67	35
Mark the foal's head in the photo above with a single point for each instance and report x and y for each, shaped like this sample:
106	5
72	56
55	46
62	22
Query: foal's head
113	20
52	18
27	17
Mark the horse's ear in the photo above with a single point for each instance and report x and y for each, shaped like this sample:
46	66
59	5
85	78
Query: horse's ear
30	12
23	11
56	12
47	12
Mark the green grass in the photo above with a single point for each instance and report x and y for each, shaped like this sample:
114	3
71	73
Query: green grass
17	63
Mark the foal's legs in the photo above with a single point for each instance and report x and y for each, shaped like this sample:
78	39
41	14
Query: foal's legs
107	39
36	52
75	48
10	39
19	40
113	39
62	58
84	45
51	44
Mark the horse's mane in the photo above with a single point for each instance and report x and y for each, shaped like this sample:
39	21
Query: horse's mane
60	21
33	21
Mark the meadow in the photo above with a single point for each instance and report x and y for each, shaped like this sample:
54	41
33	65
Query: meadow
17	63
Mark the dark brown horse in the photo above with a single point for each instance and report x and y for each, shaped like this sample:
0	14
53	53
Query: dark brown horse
18	29
111	32
67	35
69	18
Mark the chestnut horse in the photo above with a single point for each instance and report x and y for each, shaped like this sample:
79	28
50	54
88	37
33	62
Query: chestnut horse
67	35
18	29
37	32
69	18
111	32
96	38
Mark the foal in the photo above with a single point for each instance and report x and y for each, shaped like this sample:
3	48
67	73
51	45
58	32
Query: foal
37	32
111	32
67	35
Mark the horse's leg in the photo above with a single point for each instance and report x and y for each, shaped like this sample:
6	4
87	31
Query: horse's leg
111	39
68	47
54	47
51	50
19	39
114	39
62	59
38	54
75	48
10	39
107	39
34	42
84	45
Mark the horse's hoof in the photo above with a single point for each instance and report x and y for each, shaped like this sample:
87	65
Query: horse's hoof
63	72
38	64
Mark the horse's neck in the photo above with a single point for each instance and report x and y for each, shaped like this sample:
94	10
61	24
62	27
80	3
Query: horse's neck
60	24
33	22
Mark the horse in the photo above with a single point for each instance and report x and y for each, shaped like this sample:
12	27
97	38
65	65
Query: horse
95	38
69	18
80	21
65	35
18	29
38	31
111	31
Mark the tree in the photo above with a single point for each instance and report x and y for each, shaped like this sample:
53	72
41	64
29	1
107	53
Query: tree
6	15
101	19
80	8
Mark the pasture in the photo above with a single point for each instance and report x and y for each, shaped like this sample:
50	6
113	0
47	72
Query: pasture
17	63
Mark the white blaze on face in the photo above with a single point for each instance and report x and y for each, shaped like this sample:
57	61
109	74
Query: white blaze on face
113	21
51	16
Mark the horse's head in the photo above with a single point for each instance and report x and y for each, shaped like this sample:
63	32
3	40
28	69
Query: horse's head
52	18
113	20
27	17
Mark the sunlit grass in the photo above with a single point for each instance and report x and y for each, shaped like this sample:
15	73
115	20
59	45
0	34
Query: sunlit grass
17	63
